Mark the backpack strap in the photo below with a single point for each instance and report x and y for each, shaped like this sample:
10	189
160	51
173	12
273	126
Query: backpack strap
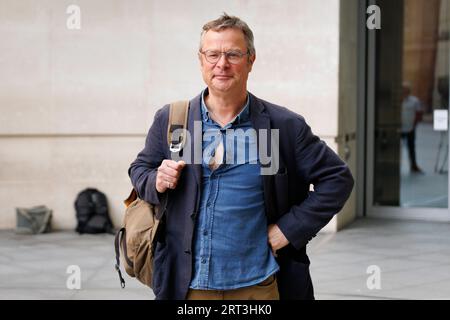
177	120
120	236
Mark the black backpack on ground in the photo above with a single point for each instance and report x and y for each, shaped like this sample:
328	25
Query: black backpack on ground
92	212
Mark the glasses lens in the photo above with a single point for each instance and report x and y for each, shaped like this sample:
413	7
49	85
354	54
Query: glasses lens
232	56
212	56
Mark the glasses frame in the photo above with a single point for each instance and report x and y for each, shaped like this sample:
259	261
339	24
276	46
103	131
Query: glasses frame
226	53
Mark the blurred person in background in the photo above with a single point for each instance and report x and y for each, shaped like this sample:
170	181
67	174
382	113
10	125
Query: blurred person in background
412	113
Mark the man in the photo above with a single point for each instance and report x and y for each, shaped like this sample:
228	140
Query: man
411	114
231	232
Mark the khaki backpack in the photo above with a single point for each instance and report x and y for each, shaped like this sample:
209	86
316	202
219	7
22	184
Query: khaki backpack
135	242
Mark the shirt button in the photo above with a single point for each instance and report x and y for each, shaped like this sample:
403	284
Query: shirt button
205	232
203	260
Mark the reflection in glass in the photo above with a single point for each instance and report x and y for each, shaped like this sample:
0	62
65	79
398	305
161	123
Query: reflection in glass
412	80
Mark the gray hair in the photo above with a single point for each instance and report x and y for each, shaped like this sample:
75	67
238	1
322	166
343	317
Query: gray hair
225	22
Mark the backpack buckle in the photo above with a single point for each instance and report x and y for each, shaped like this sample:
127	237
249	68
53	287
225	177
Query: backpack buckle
175	147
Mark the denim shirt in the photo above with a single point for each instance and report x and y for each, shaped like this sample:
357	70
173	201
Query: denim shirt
231	247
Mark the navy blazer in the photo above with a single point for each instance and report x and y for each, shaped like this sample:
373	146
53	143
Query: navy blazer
299	212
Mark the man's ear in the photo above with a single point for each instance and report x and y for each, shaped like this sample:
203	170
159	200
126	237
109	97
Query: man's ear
251	60
199	55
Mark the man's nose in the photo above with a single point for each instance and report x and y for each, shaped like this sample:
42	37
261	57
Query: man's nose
223	61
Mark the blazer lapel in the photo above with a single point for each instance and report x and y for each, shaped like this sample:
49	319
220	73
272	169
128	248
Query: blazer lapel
261	121
196	138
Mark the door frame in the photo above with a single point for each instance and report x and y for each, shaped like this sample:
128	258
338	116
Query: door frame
366	98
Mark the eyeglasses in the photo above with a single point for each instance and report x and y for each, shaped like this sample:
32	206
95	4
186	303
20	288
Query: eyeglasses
233	57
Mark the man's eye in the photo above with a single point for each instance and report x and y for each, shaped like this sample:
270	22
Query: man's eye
213	55
233	55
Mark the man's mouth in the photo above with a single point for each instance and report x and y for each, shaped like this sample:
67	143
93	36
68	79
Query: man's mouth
222	77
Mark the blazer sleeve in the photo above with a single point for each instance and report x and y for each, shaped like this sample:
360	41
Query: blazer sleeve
319	165
144	169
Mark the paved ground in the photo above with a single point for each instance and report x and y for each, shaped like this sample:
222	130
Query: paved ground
34	267
413	260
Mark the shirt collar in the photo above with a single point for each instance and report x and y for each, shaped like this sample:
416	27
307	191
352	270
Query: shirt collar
243	116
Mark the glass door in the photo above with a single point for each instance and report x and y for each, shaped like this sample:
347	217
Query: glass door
408	103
